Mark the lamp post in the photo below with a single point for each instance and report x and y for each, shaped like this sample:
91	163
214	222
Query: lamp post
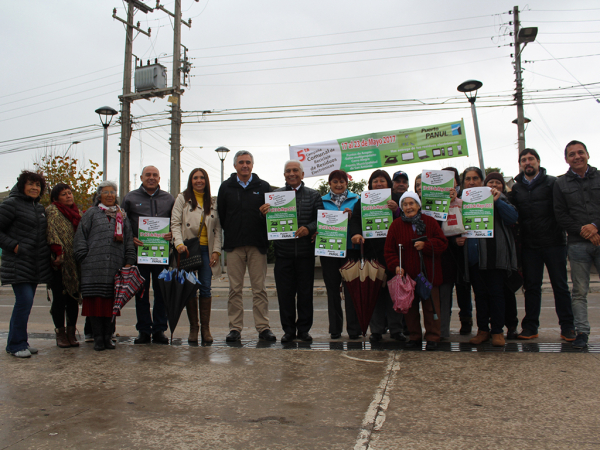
106	114
71	145
222	153
470	87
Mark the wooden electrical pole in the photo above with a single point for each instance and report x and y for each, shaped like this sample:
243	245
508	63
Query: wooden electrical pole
175	105
126	106
519	82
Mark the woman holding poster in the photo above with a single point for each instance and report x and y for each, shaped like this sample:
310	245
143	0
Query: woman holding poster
339	198
489	261
413	225
384	315
195	216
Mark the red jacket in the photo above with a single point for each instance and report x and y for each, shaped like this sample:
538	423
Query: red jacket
401	233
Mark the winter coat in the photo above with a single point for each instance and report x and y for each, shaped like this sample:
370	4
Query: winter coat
401	232
577	202
185	224
138	203
99	255
23	223
348	203
535	203
61	232
239	213
308	201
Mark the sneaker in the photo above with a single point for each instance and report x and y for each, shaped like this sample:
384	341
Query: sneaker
568	335
88	337
580	341
527	334
22	353
32	350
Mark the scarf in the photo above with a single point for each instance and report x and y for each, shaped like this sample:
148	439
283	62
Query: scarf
116	213
416	221
70	212
338	199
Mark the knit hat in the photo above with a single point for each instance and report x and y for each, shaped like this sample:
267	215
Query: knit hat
495	176
412	195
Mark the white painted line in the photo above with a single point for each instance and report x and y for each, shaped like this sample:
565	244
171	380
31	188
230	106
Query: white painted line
375	414
362	360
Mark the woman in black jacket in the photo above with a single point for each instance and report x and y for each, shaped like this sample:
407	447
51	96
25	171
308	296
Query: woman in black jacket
25	254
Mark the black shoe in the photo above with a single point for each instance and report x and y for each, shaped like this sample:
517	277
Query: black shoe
108	343
233	336
466	325
431	346
581	341
527	334
267	335
306	337
160	338
336	335
287	337
354	336
98	343
143	338
375	337
398	337
511	333
413	344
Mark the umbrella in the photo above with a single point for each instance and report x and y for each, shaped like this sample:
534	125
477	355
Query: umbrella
177	286
128	282
364	279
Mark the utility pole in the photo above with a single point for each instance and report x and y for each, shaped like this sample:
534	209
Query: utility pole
126	107
175	105
519	81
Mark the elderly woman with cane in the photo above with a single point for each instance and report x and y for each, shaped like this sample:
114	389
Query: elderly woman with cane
409	231
103	245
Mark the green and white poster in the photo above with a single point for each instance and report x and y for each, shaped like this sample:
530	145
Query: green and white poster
151	231
435	192
282	220
388	148
332	228
376	217
478	212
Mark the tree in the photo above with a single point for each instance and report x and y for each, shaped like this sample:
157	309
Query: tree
64	169
353	186
489	170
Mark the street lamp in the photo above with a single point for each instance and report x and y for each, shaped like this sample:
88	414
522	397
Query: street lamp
71	145
106	114
470	87
222	153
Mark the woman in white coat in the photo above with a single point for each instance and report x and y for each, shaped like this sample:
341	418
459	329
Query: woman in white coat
195	216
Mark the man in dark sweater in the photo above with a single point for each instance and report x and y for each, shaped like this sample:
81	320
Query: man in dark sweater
543	243
295	258
239	201
577	209
149	201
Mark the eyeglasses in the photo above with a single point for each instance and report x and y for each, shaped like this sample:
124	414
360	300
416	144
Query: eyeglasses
108	192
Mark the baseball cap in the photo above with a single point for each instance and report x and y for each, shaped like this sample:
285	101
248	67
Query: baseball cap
400	174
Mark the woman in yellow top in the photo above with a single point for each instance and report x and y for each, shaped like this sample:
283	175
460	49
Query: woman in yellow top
195	215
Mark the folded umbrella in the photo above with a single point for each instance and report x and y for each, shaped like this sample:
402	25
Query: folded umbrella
128	282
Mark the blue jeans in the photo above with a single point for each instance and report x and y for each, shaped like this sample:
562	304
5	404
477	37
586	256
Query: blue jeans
205	272
581	256
17	332
156	321
555	260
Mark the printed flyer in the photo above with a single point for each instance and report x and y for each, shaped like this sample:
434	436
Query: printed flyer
282	220
388	148
151	232
435	191
478	212
332	228
376	217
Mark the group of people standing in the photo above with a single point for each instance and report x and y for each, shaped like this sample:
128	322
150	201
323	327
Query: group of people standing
78	255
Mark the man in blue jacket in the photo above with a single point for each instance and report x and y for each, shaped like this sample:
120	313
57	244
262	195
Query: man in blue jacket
239	201
149	201
577	209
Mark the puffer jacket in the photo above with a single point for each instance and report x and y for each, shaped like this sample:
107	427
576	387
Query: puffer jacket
308	201
99	255
23	223
185	224
577	202
537	223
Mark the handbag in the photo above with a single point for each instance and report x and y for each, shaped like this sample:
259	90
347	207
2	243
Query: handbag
424	287
454	223
193	258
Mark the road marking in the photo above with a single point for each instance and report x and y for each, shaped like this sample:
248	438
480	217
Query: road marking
360	359
375	415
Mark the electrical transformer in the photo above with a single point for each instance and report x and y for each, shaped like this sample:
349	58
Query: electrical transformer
153	76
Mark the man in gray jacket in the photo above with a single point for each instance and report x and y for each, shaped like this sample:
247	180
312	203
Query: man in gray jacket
295	258
577	210
149	201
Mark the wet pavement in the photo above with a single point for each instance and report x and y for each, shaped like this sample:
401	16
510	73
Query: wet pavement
338	394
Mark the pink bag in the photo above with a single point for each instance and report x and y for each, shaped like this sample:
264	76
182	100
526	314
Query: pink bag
402	291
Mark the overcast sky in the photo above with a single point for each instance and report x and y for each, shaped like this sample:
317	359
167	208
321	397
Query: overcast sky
64	59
